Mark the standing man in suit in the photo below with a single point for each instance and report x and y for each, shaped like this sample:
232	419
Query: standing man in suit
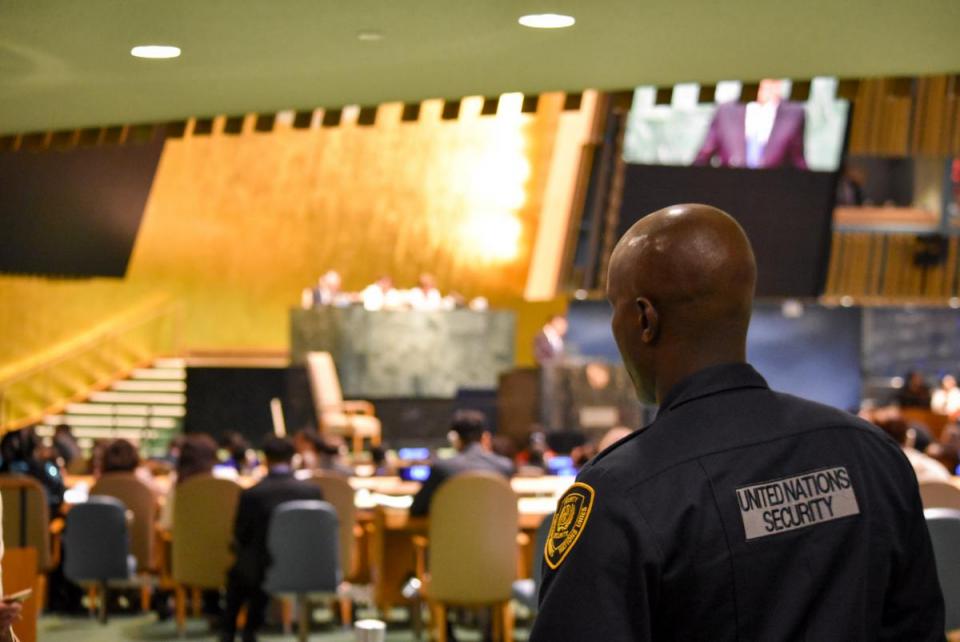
250	536
764	133
548	344
471	437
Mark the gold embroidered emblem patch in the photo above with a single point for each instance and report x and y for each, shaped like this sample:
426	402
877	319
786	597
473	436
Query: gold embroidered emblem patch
568	523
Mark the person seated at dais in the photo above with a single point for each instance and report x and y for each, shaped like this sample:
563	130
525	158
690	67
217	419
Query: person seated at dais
471	437
946	398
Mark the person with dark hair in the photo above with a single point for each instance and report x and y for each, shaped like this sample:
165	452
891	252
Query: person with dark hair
120	456
250	536
238	450
915	393
471	437
198	456
66	444
926	467
19	450
740	513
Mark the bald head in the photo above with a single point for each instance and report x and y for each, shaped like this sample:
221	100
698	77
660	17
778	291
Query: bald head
681	283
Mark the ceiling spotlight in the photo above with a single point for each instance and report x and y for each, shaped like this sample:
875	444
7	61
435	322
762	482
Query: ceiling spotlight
155	51
547	21
369	36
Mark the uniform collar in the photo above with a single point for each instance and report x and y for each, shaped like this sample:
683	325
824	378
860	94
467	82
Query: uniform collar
710	381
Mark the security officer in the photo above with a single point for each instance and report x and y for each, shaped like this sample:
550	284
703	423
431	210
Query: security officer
740	513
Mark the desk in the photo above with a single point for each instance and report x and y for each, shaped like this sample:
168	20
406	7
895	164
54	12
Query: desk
409	353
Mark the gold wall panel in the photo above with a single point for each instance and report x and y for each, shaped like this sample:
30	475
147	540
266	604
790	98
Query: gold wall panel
878	268
236	226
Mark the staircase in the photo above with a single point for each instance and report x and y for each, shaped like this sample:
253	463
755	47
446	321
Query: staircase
146	408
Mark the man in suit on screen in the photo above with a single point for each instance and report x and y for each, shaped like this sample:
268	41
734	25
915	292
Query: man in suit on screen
767	132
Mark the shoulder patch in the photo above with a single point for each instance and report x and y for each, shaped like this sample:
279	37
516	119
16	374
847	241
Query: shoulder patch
568	523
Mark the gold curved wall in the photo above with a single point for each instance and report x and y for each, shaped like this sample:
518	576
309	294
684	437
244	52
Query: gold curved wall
236	226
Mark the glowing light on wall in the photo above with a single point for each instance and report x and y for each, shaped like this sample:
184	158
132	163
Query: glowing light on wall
495	237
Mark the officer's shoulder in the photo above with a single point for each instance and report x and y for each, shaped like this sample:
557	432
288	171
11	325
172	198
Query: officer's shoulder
816	416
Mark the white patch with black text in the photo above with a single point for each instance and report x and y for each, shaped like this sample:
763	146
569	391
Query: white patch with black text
795	502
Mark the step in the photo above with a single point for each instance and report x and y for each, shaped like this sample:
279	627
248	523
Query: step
106	421
164	374
116	397
99	432
109	409
169	411
170	362
149	386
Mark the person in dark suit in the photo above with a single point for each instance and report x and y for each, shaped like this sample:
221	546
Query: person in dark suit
250	536
548	344
765	133
472	438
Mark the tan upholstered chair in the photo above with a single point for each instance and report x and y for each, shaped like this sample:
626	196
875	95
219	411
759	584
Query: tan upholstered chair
26	523
340	494
203	514
939	494
472	550
141	501
353	419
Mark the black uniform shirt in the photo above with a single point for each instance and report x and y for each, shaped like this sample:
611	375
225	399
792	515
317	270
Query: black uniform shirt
742	514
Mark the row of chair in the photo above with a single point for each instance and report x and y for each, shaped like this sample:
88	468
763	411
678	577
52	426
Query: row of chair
471	559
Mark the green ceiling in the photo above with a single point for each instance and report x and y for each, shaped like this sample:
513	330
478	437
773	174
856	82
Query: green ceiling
65	63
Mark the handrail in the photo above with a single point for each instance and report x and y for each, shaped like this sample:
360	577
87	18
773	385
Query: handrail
71	369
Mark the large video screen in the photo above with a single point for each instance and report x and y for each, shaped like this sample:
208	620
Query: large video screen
723	127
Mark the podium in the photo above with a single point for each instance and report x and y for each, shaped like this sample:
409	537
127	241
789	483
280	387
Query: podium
587	396
407	353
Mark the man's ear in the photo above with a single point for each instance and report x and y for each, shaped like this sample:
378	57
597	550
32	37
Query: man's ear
649	320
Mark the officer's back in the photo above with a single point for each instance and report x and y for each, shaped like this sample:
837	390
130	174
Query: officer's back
740	513
774	518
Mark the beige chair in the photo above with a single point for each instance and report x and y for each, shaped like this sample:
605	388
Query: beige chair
353	419
203	514
472	550
939	494
26	524
340	494
141	501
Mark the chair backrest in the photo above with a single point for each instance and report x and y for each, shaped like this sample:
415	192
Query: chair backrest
95	541
473	539
944	527
139	499
204	509
303	541
539	543
939	494
26	516
340	494
324	383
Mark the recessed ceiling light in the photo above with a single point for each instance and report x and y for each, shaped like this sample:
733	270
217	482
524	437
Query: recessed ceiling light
547	21
369	36
155	51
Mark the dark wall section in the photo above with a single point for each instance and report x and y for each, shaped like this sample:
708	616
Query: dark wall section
74	212
221	399
786	213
